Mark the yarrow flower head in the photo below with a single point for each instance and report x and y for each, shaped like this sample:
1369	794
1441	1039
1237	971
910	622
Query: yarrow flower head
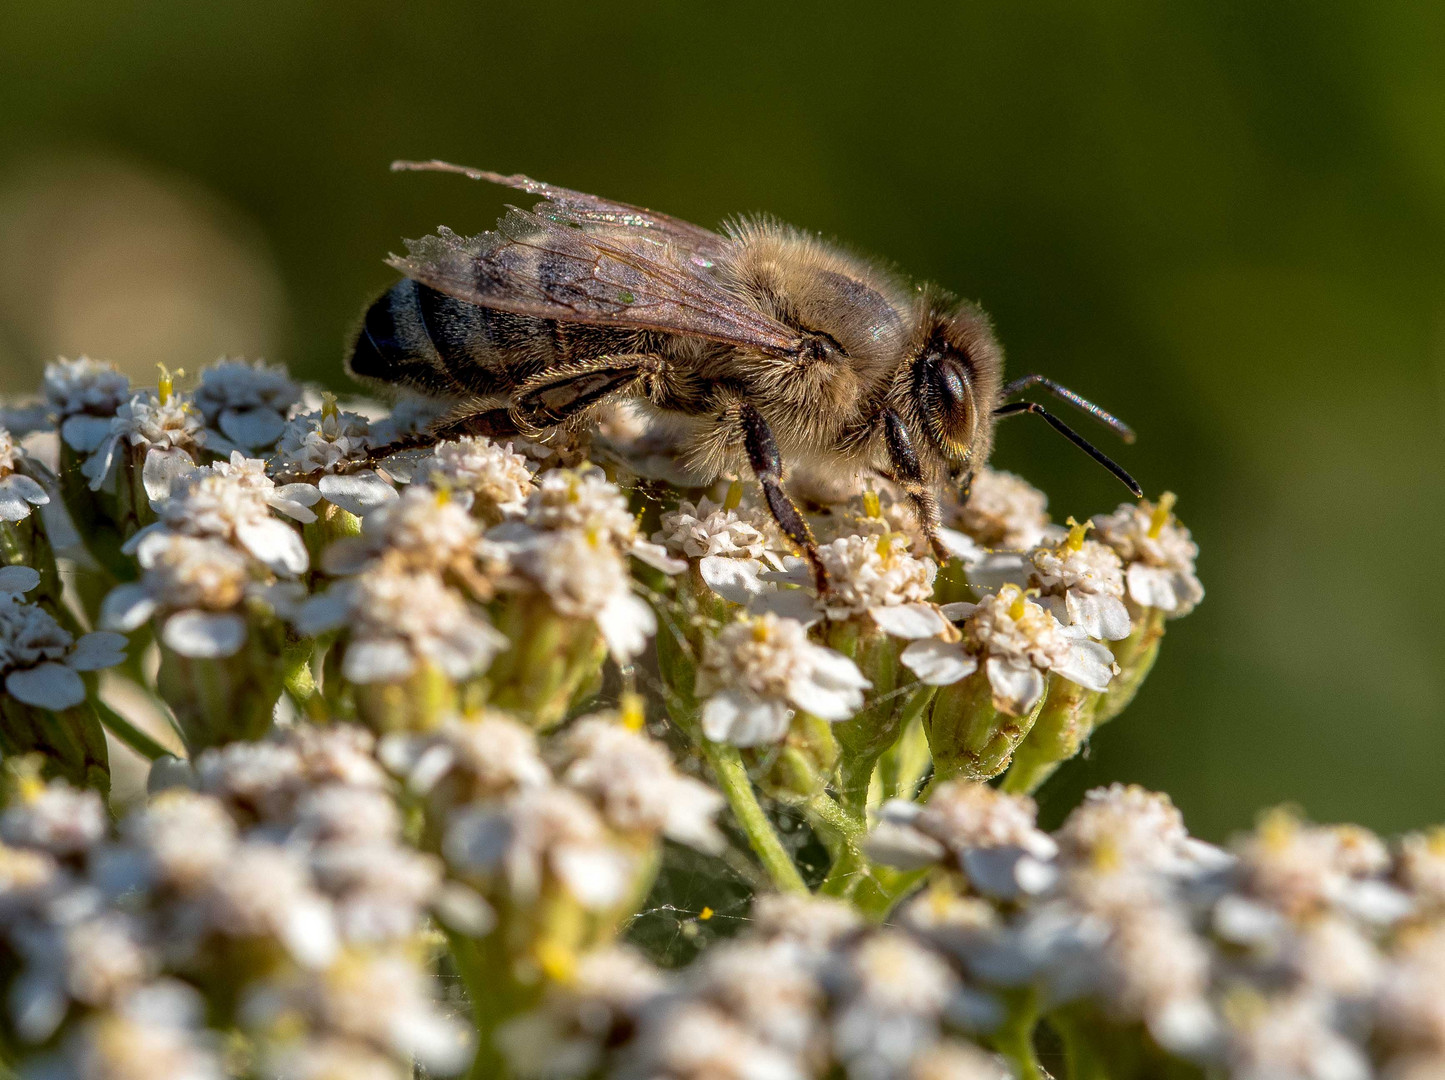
245	404
1003	511
1081	582
396	619
989	835
1157	552
730	544
481	475
584	501
233	501
85	394
199	589
425	529
162	430
758	670
328	447
20	492
39	658
636	786
877	577
1018	643
584	577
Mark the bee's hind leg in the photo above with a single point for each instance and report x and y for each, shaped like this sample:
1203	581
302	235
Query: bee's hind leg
767	466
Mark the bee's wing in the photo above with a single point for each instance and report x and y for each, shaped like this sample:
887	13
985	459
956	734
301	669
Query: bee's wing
605	272
563	204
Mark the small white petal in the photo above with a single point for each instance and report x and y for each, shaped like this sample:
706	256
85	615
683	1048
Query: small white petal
13	506
736	580
1151	586
938	663
960	546
598	877
356	492
85	433
97	650
742	719
656	556
374	660
787	604
204	634
27	488
48	686
626	622
126	607
957	611
18	579
1089	664
1007	872
324	612
251	427
901	846
1017	685
275	544
909	620
162	469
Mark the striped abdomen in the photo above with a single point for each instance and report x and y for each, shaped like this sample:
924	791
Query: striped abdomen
415	336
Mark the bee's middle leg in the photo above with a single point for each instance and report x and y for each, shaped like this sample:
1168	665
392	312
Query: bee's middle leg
767	465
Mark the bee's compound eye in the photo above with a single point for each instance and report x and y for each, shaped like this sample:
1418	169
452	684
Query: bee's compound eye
941	377
952	384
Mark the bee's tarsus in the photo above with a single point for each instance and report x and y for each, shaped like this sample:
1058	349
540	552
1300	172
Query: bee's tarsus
1063	393
1013	408
767	466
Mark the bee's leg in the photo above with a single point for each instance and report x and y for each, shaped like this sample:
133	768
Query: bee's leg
768	467
563	393
467	418
908	474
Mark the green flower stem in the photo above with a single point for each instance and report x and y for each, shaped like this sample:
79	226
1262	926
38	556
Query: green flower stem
1135	656
1060	731
737	787
1015	1039
969	736
71	741
482	964
128	733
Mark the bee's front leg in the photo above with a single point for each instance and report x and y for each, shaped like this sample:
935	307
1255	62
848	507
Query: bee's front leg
767	466
908	474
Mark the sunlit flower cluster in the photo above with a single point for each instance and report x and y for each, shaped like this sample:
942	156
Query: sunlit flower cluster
499	763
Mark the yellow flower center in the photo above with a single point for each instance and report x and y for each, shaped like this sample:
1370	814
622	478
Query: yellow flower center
734	498
329	410
872	505
1160	517
166	386
1075	540
631	711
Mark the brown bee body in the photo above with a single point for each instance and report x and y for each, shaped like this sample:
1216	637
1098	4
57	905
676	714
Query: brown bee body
763	344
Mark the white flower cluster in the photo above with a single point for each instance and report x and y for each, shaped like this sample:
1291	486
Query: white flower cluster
39	658
811	992
245	405
20	491
275	880
517	825
1158	554
1303	951
1017	643
216	550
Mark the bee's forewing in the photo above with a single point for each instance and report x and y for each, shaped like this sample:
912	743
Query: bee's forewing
600	270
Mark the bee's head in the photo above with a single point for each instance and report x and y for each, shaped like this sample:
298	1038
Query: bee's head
955	378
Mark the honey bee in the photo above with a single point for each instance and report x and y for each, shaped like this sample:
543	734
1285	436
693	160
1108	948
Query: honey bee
763	343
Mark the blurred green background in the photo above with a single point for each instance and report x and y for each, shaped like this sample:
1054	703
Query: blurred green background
1224	220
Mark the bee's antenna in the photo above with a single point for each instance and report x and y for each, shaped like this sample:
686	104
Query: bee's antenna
1015	407
1063	393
